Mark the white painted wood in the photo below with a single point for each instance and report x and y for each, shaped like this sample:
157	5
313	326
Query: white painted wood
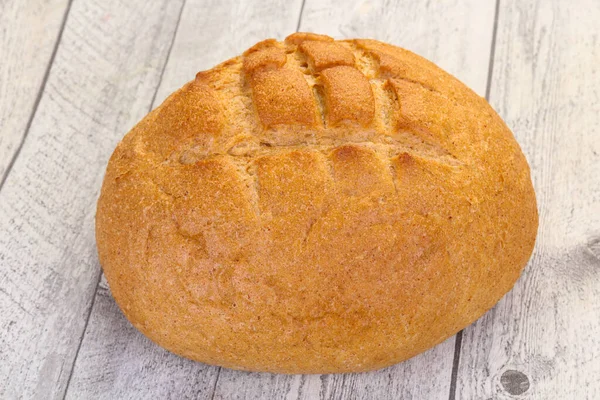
430	29
455	34
546	84
213	31
28	33
115	361
102	81
426	376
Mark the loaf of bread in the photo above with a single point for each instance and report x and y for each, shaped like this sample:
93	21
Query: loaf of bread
314	206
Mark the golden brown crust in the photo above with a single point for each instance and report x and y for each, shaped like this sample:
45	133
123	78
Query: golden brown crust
348	96
315	206
282	97
323	55
266	54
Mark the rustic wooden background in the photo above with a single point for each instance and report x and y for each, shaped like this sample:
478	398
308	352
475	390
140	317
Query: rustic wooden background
75	75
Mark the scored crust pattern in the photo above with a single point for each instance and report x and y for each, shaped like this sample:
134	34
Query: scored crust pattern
314	206
316	92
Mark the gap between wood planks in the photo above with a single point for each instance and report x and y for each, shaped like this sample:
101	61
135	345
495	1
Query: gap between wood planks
162	73
38	97
459	335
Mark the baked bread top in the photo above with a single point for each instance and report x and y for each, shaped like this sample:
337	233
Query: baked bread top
314	206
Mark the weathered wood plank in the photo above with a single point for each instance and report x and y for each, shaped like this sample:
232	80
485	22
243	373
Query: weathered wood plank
28	34
454	34
115	360
426	376
542	340
105	71
457	35
213	31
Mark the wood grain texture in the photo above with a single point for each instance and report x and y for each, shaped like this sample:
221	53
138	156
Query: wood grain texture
115	360
542	340
211	32
28	33
103	77
454	34
426	376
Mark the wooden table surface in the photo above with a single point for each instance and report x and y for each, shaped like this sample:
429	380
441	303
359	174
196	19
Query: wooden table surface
76	75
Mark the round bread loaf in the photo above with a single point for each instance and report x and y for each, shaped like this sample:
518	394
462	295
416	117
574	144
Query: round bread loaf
315	206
